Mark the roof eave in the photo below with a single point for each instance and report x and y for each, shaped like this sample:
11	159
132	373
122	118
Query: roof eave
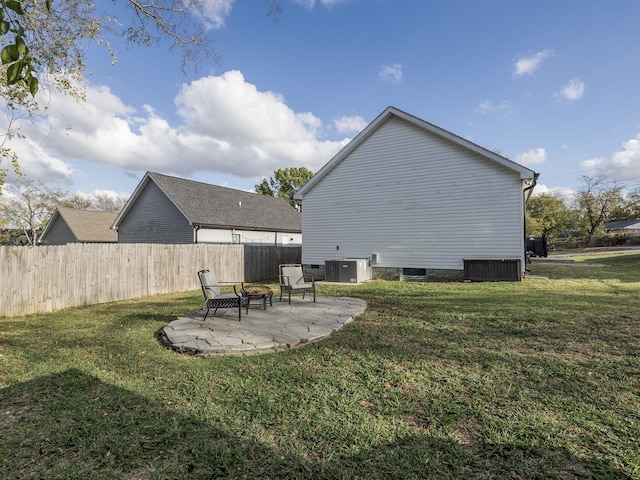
52	218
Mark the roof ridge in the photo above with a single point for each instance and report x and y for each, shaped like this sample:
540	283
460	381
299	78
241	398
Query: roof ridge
211	185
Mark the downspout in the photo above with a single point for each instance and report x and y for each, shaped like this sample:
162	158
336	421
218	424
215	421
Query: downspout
195	232
524	215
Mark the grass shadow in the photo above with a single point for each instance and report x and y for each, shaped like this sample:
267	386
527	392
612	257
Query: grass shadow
73	425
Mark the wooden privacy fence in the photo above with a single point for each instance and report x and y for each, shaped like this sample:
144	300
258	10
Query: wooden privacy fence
48	278
261	261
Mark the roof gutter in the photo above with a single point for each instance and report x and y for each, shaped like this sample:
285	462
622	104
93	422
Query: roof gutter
196	228
526	195
530	187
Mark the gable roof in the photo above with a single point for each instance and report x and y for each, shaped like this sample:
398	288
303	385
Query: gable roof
207	205
622	224
88	226
525	173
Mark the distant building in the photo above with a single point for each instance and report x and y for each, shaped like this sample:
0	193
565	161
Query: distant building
627	228
166	209
70	225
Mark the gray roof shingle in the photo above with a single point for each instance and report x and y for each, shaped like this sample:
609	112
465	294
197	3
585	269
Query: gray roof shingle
621	224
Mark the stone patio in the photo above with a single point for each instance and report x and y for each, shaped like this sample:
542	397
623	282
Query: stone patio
281	326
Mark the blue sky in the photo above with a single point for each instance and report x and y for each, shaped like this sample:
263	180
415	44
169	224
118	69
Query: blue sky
551	85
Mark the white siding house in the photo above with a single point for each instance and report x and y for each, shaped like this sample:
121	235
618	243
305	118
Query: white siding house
410	195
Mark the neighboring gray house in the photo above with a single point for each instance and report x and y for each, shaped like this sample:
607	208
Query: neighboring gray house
165	209
416	200
627	228
71	225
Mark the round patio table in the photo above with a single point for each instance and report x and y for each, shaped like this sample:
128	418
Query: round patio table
257	291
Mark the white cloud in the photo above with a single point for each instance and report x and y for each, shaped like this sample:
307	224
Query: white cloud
594	164
540	189
560	192
531	157
234	125
573	90
622	165
311	3
100	112
350	124
305	3
527	65
111	193
35	163
226	126
391	73
214	14
501	110
331	3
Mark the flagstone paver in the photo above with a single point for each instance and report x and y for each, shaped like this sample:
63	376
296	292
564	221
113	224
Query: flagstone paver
279	327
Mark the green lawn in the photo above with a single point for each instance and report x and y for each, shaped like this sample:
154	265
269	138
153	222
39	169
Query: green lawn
530	380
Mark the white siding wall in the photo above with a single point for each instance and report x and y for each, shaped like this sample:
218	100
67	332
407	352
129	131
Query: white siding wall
415	199
269	238
206	235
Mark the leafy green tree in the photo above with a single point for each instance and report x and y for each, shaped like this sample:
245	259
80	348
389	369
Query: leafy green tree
15	54
629	209
548	215
596	199
633	204
285	183
4	235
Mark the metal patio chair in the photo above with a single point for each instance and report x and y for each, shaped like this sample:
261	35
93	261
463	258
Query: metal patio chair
292	281
214	299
